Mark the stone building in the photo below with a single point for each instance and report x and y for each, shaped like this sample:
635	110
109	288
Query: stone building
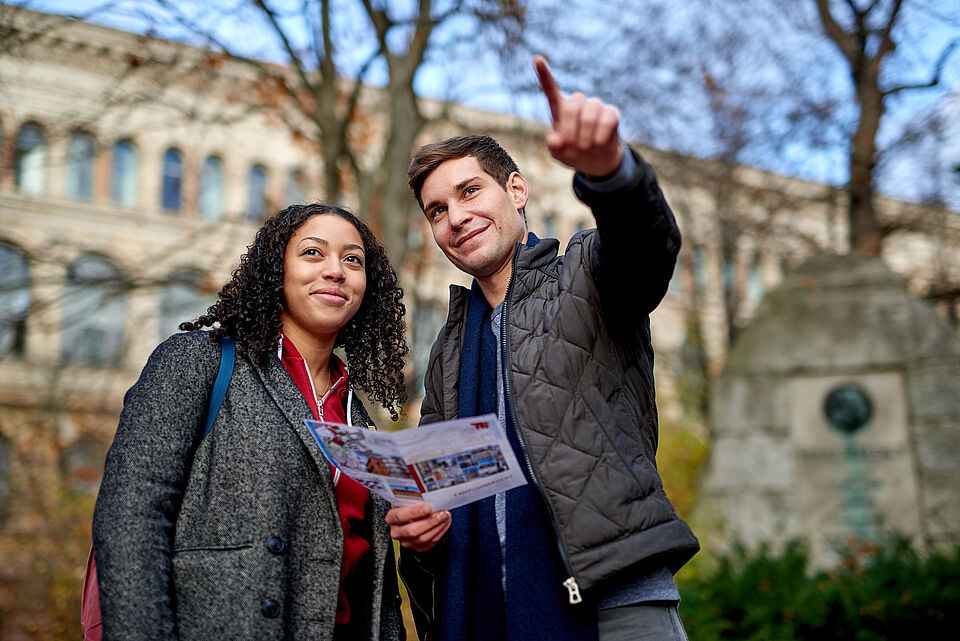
122	214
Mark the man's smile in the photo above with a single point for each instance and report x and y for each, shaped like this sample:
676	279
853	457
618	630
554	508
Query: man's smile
468	236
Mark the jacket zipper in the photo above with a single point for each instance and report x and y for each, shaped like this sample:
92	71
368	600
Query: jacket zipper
570	583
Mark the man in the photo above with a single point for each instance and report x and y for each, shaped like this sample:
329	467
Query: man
559	347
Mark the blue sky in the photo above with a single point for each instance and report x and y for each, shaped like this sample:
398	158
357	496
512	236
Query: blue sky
442	75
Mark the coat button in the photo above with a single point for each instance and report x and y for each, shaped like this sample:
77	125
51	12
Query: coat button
270	609
276	545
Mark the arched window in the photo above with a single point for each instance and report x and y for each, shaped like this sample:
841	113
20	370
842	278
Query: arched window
210	205
182	300
700	276
80	152
31	160
14	299
257	194
124	174
296	187
94	307
549	225
172	194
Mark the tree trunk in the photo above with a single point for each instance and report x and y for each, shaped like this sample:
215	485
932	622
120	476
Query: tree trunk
865	231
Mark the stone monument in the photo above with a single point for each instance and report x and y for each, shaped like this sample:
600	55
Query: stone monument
837	416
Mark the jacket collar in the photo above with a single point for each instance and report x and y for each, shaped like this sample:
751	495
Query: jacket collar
536	253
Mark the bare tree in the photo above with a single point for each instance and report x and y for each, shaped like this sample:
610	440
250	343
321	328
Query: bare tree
804	89
864	34
343	77
810	83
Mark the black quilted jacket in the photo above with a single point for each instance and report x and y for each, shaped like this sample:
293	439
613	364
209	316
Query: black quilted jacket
576	332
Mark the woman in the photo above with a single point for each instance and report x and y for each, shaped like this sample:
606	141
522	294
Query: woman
247	533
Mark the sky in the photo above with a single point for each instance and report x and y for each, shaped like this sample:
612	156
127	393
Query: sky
486	87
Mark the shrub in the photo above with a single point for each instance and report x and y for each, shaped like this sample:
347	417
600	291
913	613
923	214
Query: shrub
883	591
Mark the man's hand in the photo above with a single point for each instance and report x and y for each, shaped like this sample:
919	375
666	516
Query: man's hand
417	527
584	134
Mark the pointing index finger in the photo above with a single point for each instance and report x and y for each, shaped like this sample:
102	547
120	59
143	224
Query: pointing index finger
548	84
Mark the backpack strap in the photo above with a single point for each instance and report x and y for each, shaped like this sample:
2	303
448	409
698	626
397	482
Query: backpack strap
91	620
228	351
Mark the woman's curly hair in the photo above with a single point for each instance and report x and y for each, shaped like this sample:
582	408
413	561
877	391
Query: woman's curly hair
249	306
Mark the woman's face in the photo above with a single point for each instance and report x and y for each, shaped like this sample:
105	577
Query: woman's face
324	277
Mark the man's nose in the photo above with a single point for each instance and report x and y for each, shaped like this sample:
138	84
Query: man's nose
458	215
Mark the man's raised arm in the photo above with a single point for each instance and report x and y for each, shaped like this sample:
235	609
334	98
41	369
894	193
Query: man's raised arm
638	236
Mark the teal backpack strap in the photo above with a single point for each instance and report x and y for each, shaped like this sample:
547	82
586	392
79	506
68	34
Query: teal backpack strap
228	353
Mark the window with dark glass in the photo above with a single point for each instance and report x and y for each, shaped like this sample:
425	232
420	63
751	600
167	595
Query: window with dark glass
172	187
296	187
182	299
31	160
210	204
14	299
80	160
124	174
257	193
94	310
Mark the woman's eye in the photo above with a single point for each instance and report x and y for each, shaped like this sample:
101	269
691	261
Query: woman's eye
355	259
312	252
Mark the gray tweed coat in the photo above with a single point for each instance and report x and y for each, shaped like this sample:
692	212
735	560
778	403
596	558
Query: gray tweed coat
237	537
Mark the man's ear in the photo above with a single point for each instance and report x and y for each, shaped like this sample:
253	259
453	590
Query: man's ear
517	188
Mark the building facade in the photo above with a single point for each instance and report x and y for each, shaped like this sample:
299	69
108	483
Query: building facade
123	210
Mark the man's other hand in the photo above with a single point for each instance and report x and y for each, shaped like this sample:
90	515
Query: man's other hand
418	527
585	130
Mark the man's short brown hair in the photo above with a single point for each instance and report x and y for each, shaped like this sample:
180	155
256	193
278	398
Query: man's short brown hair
491	157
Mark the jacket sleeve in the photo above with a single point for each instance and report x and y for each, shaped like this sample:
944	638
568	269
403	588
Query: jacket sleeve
391	618
421	573
143	483
431	409
637	241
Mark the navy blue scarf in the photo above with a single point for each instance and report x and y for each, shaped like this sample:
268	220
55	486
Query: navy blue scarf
535	605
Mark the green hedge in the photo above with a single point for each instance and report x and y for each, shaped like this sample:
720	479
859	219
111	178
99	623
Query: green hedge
879	592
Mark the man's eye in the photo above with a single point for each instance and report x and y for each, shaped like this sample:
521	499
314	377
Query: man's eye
470	190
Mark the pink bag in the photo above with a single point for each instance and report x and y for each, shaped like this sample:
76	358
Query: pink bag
91	623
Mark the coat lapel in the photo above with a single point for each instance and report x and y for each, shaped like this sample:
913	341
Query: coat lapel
292	405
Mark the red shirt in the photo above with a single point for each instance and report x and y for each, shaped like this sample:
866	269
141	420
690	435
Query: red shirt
352	498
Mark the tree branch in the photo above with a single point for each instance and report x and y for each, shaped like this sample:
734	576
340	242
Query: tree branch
886	40
287	45
835	32
938	70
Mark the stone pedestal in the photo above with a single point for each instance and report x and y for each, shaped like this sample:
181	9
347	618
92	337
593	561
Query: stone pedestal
837	415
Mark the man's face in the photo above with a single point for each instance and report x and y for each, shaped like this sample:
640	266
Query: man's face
474	220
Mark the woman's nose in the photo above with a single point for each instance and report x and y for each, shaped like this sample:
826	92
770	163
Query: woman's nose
333	270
